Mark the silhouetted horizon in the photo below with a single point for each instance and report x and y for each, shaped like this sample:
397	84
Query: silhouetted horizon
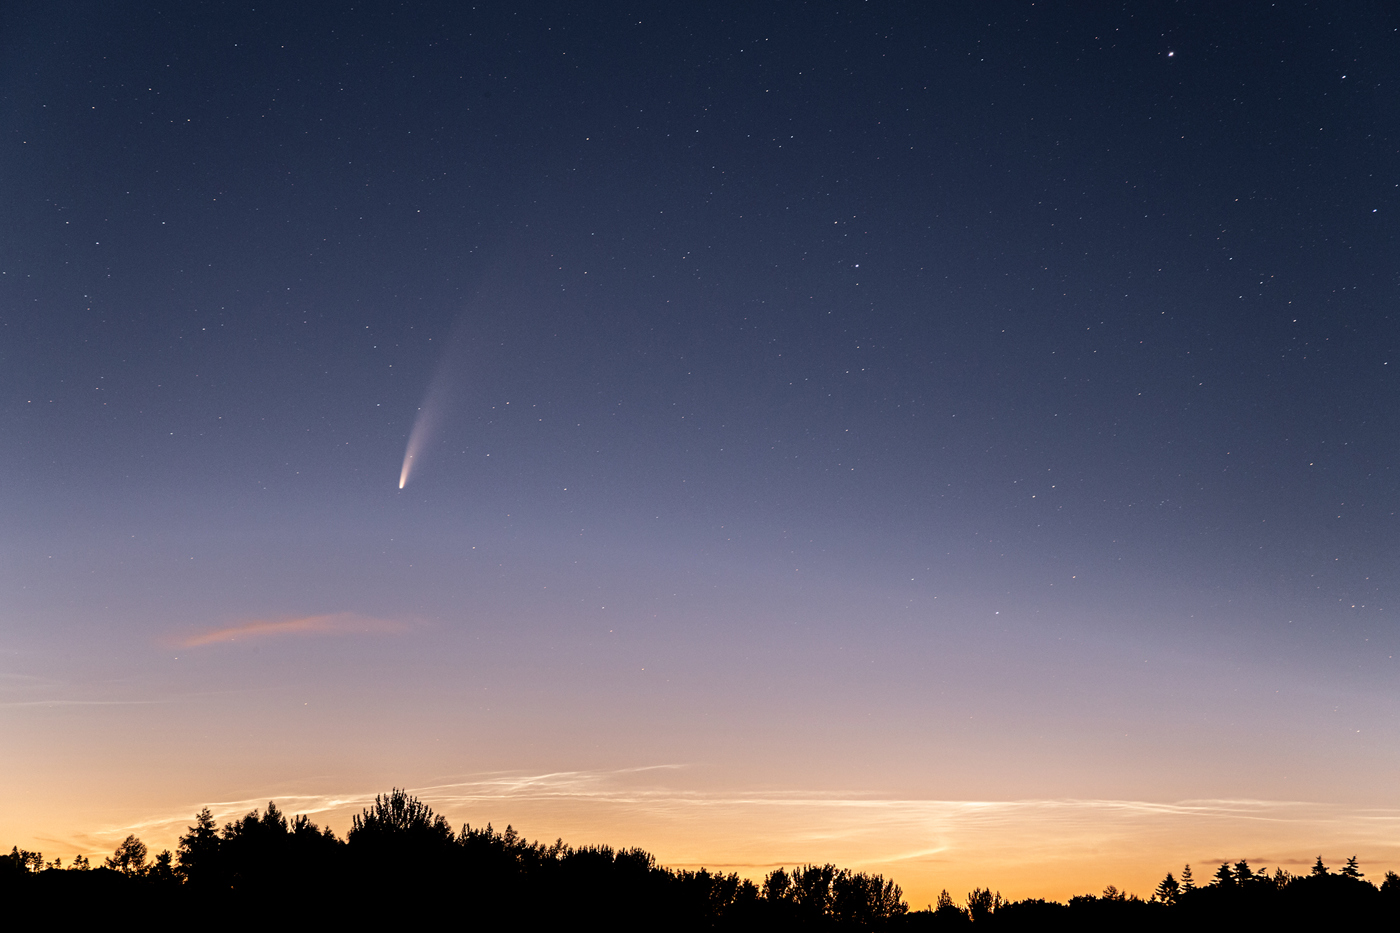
265	864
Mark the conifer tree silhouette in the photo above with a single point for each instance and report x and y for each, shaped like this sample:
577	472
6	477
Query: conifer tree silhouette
198	851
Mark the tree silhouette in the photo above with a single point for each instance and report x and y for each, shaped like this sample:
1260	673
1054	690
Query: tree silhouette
198	852
776	884
947	914
24	860
403	867
862	900
401	817
129	858
811	889
162	870
982	903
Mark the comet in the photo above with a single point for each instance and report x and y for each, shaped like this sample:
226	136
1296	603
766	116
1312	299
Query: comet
423	427
436	403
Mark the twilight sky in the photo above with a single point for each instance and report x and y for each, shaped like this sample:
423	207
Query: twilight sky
957	443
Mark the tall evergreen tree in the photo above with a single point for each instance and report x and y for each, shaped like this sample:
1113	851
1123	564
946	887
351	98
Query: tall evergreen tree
1187	882
1351	869
1319	869
162	871
198	851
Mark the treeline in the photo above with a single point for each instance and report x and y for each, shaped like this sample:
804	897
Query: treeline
401	863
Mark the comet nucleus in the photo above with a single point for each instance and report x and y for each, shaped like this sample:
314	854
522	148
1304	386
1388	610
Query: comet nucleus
435	406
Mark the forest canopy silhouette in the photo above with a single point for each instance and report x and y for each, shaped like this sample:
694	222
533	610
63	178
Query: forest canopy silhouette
400	862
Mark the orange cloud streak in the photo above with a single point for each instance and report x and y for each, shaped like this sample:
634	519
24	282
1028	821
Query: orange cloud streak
336	623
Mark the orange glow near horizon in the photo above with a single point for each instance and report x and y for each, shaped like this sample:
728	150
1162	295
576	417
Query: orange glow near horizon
1024	848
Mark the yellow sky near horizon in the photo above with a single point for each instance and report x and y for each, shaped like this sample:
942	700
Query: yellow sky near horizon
1023	848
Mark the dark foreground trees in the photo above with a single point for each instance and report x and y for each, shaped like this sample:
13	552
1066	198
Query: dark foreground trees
401	864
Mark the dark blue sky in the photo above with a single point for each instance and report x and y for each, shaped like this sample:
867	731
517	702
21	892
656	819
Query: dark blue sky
870	322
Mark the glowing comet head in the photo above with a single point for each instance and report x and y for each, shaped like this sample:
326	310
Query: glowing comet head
415	443
422	427
434	407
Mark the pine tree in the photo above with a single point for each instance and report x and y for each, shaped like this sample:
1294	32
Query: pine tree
1187	882
1319	869
162	870
26	860
1351	869
1223	876
198	852
1168	890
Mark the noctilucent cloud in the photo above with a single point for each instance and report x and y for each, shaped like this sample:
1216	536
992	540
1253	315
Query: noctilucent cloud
953	442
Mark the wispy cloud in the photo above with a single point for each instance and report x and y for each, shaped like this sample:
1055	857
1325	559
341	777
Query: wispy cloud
60	702
336	623
772	827
31	692
1028	847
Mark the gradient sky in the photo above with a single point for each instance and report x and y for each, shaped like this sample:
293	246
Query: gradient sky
951	441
